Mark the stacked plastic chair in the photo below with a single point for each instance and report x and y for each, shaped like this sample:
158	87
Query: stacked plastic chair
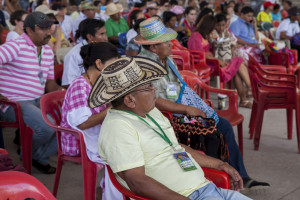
272	91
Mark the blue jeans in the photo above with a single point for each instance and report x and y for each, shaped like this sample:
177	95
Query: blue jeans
44	143
211	192
235	157
24	4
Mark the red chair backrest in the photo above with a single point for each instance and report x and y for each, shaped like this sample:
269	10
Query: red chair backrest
18	186
58	73
51	104
187	65
3	36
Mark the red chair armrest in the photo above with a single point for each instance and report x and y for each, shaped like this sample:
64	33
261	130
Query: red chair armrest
219	178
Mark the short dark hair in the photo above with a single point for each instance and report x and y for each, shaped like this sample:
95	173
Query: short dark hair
221	17
17	15
88	26
206	26
118	102
188	10
276	7
173	2
167	16
51	16
237	7
100	50
140	4
96	3
147	47
288	2
246	10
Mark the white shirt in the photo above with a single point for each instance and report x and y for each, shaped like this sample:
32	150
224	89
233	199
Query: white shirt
73	64
130	34
101	16
233	18
80	18
67	26
287	26
12	35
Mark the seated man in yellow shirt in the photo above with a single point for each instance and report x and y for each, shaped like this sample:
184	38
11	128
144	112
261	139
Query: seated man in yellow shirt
139	143
265	16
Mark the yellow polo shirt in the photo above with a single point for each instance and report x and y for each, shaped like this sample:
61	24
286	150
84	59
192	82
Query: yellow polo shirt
126	142
264	17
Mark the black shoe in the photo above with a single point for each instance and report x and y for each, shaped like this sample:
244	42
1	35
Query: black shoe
17	137
46	169
248	183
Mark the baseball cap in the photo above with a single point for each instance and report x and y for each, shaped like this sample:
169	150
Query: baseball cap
268	4
38	18
293	11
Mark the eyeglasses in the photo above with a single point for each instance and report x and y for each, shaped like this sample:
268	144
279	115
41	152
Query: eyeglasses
148	89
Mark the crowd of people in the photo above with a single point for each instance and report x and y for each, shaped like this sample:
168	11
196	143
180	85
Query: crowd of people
118	73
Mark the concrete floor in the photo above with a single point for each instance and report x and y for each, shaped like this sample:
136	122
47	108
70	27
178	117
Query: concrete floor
277	162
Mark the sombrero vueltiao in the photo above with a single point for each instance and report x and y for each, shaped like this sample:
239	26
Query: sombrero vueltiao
153	31
122	76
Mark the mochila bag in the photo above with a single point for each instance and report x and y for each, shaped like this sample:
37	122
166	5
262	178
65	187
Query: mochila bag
200	134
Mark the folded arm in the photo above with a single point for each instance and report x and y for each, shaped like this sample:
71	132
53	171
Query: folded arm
210	162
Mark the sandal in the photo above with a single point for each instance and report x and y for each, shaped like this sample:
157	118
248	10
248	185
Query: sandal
245	104
46	169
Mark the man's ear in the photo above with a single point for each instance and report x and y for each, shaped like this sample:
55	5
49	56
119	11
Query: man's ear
129	101
89	37
153	48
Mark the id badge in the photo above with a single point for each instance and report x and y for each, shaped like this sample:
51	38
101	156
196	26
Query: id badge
171	91
41	77
184	161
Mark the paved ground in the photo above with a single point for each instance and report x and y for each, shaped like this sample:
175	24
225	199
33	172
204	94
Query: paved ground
277	162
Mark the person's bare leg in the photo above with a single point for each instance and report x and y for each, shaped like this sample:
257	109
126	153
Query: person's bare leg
244	75
240	87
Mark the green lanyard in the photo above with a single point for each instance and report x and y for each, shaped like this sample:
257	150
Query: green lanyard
40	57
162	135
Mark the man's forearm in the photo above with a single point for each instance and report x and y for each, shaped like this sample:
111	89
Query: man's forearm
51	86
169	106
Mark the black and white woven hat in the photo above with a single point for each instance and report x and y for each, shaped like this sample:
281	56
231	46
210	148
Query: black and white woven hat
122	76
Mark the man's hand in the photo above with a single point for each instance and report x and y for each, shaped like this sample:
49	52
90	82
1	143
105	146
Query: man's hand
3	97
236	181
194	111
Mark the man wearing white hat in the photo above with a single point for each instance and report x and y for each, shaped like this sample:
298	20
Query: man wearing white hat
115	24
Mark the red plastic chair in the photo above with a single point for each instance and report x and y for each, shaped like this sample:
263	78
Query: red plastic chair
26	133
51	104
16	185
58	72
231	114
3	151
219	178
276	23
272	93
3	36
276	58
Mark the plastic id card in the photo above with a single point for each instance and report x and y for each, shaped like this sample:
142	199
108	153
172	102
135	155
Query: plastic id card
171	91
184	161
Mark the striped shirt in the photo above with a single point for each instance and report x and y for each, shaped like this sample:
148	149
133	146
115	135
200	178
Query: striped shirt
20	71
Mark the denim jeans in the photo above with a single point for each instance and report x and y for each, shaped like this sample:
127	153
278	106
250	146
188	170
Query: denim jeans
211	192
24	4
44	143
235	157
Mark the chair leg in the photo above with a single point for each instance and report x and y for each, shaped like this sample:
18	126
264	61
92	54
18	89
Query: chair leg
26	145
240	136
258	124
90	171
57	175
289	117
252	120
298	121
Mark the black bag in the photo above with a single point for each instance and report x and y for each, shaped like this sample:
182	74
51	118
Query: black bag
200	134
